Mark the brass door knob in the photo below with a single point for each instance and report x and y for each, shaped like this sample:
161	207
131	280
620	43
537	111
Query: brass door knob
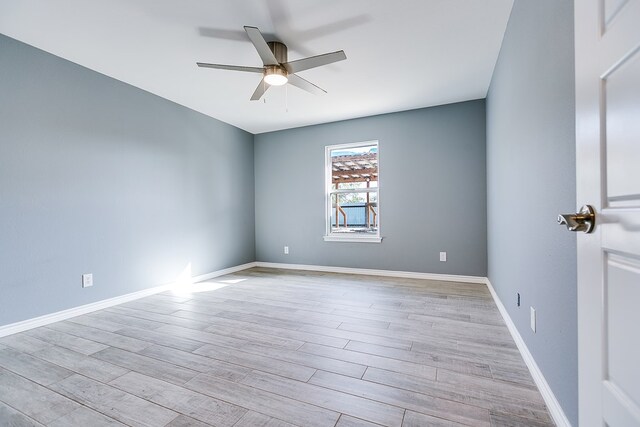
585	220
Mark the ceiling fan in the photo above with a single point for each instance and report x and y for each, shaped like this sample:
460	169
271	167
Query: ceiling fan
276	70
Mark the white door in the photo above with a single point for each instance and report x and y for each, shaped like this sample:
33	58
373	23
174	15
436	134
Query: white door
608	165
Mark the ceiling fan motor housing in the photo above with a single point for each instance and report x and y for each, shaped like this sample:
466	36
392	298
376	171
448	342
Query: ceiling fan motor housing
279	51
276	75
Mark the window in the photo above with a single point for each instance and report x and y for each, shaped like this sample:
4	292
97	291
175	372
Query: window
352	192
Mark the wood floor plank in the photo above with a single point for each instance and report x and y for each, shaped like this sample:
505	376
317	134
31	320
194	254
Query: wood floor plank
261	320
386	415
323	319
104	338
85	417
428	405
170	296
272	313
62	339
157	337
146	365
255	419
486	354
300	315
156	318
259	337
96	322
110	401
184	421
255	361
160	307
516	373
207	290
290	410
269	298
218	368
80	363
33	400
306	359
25	343
370	360
32	368
348	421
211	336
438	360
119	319
490	386
462	393
292	334
195	405
357	336
418	334
499	334
502	420
371	313
426	334
416	419
13	418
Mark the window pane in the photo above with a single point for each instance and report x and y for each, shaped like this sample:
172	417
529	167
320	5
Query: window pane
356	213
354	167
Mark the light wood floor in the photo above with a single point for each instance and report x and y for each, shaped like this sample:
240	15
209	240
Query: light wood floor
276	348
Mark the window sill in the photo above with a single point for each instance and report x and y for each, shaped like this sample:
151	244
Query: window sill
353	239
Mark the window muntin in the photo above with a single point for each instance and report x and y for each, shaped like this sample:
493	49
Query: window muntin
352	182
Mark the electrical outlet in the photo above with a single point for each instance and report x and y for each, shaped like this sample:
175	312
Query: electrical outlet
518	299
533	319
443	256
286	250
87	280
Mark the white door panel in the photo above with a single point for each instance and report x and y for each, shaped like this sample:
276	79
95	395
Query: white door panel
621	93
608	166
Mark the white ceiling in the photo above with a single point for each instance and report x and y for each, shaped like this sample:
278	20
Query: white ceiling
401	54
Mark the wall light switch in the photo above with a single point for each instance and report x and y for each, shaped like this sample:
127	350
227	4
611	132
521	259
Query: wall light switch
87	280
286	250
443	256
533	319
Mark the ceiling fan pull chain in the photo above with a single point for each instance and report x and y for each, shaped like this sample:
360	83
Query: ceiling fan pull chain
286	98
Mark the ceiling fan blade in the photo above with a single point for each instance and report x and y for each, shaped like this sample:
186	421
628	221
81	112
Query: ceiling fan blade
314	61
260	90
231	67
261	46
303	84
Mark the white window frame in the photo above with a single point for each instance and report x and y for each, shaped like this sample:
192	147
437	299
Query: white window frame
353	238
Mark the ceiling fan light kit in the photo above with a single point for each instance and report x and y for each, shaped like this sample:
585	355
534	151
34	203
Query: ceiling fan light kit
275	76
276	70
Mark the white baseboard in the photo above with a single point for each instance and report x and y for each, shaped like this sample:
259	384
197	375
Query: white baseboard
222	272
371	272
555	410
36	322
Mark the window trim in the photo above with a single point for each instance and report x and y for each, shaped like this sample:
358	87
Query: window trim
352	238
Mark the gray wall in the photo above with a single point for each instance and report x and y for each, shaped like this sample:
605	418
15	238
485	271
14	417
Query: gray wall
97	176
432	192
530	179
